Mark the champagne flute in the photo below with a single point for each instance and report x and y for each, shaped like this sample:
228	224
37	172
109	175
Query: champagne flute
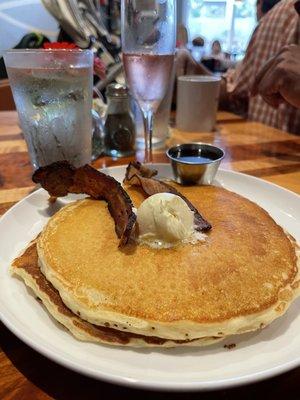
148	45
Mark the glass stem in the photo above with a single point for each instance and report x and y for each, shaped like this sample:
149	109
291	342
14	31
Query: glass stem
148	127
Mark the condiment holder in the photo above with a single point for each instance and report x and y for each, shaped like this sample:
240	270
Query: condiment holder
195	163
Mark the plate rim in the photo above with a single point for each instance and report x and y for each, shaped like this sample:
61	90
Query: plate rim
154	385
114	167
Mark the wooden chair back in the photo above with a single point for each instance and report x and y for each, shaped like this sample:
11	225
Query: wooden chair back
6	98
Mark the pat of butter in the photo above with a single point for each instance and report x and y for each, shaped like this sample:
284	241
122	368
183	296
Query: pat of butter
164	220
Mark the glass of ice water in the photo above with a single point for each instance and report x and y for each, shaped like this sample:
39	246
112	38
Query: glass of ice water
52	90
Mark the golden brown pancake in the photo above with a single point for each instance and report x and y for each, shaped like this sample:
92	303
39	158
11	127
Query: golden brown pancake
26	266
240	279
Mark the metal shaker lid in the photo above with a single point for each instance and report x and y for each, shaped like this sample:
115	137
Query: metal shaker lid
117	90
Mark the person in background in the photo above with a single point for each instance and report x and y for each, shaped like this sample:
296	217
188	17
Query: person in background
216	50
264	6
221	59
198	48
182	37
276	29
278	81
198	41
185	59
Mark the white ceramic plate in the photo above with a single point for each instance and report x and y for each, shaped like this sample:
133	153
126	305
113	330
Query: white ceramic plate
256	356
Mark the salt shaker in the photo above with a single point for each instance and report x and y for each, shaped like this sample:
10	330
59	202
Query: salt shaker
119	127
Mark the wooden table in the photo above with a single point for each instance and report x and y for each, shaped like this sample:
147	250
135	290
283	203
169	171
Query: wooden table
250	147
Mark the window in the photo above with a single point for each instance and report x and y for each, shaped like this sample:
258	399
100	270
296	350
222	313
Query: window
231	22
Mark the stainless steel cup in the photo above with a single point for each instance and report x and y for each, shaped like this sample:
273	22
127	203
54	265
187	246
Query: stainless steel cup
204	162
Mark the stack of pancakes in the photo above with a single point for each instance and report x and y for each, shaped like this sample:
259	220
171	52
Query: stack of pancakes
243	276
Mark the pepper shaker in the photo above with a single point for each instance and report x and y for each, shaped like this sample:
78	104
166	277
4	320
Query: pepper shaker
119	127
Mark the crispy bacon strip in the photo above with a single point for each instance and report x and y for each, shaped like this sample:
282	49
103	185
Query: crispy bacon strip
61	178
138	175
136	168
